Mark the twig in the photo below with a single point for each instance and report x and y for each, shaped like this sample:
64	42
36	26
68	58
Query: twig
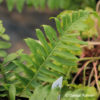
80	70
91	43
90	77
96	20
96	75
98	6
84	78
93	82
89	58
94	43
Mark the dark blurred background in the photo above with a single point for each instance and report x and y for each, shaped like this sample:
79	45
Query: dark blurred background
22	25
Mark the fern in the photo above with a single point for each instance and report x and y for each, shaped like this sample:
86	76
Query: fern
52	56
52	4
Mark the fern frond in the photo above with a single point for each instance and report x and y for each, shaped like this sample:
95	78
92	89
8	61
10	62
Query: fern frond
74	21
52	56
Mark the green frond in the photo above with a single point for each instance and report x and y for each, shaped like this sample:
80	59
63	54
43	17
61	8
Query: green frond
88	29
74	21
52	56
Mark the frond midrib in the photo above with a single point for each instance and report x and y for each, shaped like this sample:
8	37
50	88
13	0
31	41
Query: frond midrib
53	49
57	43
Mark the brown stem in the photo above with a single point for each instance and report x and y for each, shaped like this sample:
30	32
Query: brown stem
98	6
94	43
96	75
80	70
90	77
91	43
93	82
96	20
89	58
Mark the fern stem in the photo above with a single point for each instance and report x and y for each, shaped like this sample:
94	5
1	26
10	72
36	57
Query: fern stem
93	82
89	58
91	43
84	71
90	77
57	43
96	75
81	71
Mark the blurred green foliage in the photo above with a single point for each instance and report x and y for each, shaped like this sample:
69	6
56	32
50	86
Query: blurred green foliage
80	93
52	4
4	41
